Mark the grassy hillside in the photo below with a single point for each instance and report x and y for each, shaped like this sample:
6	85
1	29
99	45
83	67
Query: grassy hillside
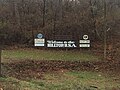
32	69
63	80
32	54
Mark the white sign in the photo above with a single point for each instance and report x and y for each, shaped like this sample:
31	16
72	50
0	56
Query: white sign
84	45
52	43
84	41
39	42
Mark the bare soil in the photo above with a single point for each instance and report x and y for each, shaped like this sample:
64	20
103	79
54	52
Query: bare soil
36	69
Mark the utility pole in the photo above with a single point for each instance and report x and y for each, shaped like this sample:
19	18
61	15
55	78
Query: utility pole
105	32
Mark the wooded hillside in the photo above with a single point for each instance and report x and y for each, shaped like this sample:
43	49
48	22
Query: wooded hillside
22	20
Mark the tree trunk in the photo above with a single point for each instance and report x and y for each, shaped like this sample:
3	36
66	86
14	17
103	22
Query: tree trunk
105	32
17	15
44	3
0	61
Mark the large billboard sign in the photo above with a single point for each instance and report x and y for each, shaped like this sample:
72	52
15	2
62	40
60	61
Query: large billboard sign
42	42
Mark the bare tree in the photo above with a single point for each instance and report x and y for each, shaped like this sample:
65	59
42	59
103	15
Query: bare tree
0	61
44	9
105	32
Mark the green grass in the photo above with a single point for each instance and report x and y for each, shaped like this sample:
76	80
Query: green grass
59	80
9	55
64	80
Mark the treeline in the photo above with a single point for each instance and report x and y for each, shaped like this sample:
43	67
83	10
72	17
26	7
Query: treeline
22	20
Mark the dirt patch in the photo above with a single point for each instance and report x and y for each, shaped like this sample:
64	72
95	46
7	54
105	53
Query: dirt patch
36	69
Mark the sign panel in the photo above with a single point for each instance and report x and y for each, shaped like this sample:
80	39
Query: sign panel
84	45
65	43
54	43
39	42
84	41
